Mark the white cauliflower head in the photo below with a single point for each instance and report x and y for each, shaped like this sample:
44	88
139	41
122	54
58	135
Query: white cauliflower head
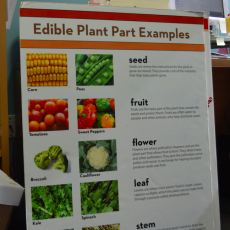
97	157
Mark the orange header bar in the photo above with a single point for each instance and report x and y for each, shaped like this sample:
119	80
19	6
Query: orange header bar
110	45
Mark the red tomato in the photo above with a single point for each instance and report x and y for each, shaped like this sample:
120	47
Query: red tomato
37	107
43	112
42	102
50	107
61	104
61	127
29	115
54	127
36	116
33	103
42	126
54	100
67	123
33	126
60	118
65	112
49	119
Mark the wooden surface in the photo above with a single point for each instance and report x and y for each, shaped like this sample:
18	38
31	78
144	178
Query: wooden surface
221	88
3	91
6	212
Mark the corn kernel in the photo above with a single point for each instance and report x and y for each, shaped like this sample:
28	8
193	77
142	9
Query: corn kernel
28	72
53	56
37	77
49	69
31	71
32	64
50	56
43	56
54	83
61	83
33	56
43	77
30	79
54	77
43	63
61	76
64	63
38	70
34	78
47	77
45	70
56	69
37	83
57	56
51	76
35	70
49	83
39	63
45	83
58	77
60	70
42	70
64	69
28	84
61	56
57	83
65	57
64	77
41	83
52	69
33	84
47	62
65	83
36	57
30	58
28	64
55	62
35	63
59	62
51	62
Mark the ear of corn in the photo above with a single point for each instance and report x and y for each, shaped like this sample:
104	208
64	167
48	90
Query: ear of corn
46	69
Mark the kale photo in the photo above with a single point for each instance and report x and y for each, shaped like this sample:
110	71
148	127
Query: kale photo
53	201
99	197
97	156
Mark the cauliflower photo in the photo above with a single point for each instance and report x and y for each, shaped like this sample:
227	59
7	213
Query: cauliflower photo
97	156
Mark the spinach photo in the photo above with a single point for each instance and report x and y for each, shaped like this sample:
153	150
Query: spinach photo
99	197
97	156
104	227
54	201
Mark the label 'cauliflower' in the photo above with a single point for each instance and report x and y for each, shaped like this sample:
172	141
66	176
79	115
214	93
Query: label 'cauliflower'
97	157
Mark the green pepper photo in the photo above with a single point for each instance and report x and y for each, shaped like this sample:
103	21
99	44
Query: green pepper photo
94	69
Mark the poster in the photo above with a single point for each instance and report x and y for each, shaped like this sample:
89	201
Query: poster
119	132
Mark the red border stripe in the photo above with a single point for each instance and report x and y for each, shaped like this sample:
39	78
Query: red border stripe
206	24
108	16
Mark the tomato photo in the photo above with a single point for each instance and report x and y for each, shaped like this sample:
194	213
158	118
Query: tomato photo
48	115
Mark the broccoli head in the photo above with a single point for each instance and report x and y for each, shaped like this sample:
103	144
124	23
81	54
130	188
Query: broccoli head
54	151
42	159
62	163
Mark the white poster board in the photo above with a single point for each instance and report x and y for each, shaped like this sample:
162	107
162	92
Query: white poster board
120	94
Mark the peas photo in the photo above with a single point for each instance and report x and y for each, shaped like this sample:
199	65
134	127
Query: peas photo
96	113
94	69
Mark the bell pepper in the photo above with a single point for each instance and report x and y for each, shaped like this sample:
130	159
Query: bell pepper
88	101
88	118
112	103
80	125
102	104
91	107
107	121
80	109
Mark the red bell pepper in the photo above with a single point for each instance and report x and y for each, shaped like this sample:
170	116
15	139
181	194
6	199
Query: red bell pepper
80	125
88	118
90	107
88	101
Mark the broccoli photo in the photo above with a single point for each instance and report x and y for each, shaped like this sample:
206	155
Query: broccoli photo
43	158
62	163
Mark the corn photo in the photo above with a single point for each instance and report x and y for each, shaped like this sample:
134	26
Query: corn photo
46	69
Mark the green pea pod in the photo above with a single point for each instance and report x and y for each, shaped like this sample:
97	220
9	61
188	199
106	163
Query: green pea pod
86	65
103	77
86	76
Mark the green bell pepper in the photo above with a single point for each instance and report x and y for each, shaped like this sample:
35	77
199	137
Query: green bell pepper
102	104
